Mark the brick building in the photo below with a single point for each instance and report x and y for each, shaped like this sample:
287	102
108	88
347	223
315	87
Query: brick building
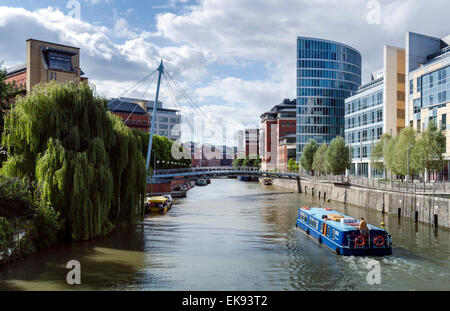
278	128
45	62
133	115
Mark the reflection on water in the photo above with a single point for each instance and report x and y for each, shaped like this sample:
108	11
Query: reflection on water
237	236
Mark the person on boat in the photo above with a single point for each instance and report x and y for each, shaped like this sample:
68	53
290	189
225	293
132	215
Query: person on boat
363	227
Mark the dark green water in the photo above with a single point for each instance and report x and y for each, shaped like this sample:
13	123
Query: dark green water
237	236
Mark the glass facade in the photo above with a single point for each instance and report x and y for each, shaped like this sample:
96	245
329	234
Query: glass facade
60	61
327	73
364	127
434	87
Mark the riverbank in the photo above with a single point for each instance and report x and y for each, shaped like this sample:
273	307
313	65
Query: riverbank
421	208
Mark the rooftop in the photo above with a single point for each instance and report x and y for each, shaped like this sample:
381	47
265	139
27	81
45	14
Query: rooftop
115	105
318	212
16	69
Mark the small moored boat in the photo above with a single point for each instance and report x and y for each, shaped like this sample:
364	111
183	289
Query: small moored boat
201	182
340	233
268	182
158	204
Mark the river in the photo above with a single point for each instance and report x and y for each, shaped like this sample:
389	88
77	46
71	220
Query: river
232	235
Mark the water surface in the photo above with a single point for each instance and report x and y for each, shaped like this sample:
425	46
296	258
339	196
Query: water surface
237	236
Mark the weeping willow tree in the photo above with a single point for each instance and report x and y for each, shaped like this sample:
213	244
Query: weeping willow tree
87	164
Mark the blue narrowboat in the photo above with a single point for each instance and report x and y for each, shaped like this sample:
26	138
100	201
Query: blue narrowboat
340	233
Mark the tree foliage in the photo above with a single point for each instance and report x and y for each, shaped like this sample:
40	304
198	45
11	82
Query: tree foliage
428	151
378	159
8	92
397	151
252	160
292	165
87	163
337	157
307	158
238	162
319	160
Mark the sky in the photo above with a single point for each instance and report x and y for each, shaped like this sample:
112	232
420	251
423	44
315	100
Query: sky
235	59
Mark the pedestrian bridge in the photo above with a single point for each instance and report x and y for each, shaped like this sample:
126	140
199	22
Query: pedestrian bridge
161	176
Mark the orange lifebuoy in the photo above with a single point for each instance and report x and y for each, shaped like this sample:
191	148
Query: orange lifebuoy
379	241
360	241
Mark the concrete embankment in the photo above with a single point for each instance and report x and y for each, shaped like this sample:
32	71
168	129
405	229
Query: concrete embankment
422	208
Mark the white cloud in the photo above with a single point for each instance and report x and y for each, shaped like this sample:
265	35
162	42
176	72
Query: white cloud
216	32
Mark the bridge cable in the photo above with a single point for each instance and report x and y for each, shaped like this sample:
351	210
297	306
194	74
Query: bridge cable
192	103
136	105
131	88
172	93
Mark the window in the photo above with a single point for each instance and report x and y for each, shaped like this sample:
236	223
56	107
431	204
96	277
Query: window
411	87
163	119
59	61
313	222
444	122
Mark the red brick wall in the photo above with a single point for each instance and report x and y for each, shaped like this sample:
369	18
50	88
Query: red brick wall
19	79
133	121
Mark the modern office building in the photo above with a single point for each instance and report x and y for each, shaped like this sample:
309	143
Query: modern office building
240	144
168	120
278	127
45	62
328	72
378	107
251	142
428	86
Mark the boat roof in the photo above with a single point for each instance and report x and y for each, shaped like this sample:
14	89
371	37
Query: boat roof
157	199
318	212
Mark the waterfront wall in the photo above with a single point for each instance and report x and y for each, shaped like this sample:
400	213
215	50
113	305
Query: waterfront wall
423	208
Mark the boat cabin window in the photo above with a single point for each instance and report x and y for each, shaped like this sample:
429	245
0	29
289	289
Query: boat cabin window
333	235
303	217
328	231
313	222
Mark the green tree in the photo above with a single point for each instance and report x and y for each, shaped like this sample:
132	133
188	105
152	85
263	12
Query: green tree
428	151
307	158
397	152
291	165
252	160
8	92
238	162
337	157
86	162
378	156
320	159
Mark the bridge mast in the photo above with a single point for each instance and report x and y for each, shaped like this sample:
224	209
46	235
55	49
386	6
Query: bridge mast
155	105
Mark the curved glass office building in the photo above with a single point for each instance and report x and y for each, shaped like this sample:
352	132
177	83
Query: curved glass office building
327	73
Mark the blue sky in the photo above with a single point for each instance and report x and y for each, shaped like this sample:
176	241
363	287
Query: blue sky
235	58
